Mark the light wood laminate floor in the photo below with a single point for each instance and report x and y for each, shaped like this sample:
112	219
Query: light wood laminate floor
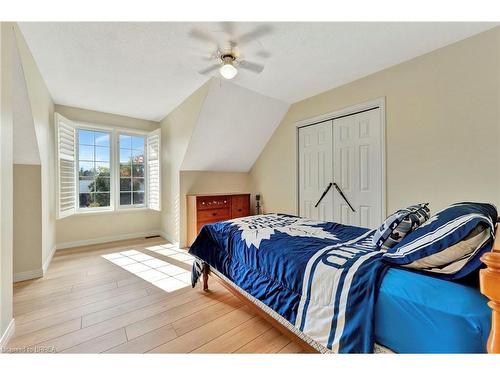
135	297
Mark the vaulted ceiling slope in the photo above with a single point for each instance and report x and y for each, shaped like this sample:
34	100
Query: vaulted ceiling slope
24	135
233	127
145	70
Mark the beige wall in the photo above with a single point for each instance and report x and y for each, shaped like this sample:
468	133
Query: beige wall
27	219
90	228
176	131
207	182
6	194
442	129
100	227
42	109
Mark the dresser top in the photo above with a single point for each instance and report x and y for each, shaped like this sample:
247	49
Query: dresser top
215	194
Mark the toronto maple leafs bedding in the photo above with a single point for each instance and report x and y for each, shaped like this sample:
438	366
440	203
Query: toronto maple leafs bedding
449	245
319	279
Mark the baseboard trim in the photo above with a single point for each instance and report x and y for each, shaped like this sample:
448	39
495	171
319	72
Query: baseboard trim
28	275
36	273
46	264
100	240
9	332
168	237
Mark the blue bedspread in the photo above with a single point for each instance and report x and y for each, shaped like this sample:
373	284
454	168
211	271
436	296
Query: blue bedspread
320	277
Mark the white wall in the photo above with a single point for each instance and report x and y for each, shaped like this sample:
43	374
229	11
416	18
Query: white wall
232	128
25	141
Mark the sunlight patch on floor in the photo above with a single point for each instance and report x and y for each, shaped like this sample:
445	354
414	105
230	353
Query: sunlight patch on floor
158	272
172	251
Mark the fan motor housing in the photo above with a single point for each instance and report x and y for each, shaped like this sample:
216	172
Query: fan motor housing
228	58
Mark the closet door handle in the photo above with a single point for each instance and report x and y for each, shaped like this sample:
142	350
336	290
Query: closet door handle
344	197
323	195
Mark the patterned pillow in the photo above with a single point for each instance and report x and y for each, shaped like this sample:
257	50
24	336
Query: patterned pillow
399	224
450	244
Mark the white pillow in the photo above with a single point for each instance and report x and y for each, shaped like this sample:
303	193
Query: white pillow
454	257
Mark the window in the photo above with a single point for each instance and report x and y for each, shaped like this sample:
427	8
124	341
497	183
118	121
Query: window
132	170
103	168
94	169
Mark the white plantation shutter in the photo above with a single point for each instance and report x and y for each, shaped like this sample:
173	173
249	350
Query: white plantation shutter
66	157
153	172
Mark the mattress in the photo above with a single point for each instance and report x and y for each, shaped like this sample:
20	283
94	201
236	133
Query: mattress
415	313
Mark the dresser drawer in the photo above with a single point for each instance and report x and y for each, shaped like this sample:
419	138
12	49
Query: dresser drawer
214	215
205	209
240	206
206	203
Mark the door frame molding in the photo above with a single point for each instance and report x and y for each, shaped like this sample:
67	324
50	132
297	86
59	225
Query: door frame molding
346	111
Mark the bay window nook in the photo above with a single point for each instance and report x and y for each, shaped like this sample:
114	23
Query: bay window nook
102	168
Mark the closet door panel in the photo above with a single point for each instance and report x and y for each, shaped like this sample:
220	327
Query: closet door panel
315	170
357	155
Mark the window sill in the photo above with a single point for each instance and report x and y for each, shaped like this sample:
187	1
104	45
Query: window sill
132	209
111	211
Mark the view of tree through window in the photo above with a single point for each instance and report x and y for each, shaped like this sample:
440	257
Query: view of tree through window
131	170
94	168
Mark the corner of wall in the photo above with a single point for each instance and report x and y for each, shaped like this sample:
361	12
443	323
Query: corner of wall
42	107
176	131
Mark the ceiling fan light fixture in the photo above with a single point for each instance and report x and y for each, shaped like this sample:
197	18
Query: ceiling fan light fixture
228	71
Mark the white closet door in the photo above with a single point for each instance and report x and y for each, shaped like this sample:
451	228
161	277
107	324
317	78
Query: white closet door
315	171
357	145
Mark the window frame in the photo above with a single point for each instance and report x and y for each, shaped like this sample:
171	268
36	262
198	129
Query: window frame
114	189
119	206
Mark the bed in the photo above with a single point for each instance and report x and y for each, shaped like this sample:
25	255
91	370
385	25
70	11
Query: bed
326	286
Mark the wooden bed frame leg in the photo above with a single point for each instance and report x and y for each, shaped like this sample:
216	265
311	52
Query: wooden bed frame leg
490	286
206	271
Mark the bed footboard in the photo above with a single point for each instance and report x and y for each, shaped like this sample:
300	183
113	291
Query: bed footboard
490	287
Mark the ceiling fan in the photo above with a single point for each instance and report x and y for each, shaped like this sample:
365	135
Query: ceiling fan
228	58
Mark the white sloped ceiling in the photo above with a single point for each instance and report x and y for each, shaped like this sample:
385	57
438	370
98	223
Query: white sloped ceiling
233	127
25	144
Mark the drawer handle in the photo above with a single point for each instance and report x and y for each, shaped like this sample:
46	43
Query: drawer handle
239	210
214	214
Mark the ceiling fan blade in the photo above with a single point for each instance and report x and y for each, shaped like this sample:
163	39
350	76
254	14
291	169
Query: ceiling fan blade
209	69
256	33
253	67
202	36
228	28
264	54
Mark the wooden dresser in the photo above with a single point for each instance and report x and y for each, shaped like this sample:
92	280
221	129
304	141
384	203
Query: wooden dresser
205	209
